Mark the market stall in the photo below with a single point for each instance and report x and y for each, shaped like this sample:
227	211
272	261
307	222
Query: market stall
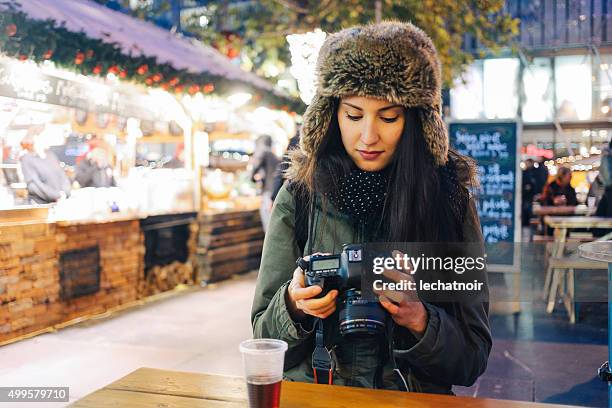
102	163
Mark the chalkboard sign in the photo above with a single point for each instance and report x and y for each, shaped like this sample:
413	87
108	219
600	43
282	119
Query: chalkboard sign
494	146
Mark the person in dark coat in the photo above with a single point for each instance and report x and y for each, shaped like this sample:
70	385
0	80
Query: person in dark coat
94	170
604	207
374	165
541	176
596	190
46	180
280	177
529	190
264	163
559	192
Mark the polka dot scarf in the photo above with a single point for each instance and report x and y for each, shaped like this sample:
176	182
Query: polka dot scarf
361	195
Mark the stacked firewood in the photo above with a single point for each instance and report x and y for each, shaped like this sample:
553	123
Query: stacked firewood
161	278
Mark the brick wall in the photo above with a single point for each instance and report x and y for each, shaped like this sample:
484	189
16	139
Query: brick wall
121	260
29	274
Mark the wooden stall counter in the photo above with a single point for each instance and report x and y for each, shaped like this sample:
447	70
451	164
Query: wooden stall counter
147	387
230	239
54	272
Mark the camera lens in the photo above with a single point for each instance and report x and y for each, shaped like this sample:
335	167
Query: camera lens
360	317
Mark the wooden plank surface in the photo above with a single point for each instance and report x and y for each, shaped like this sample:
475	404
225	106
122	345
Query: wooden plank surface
233	252
562	210
303	395
183	384
578	222
212	273
147	387
107	398
230	238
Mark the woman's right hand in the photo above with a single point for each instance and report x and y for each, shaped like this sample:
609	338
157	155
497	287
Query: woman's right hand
301	302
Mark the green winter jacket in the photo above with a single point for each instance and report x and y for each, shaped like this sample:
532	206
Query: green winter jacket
453	350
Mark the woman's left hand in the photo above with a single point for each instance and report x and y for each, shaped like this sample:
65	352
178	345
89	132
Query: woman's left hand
404	306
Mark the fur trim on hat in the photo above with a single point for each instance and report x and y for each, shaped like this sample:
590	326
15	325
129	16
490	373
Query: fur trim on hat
390	60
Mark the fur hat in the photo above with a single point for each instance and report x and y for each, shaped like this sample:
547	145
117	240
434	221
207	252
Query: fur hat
390	60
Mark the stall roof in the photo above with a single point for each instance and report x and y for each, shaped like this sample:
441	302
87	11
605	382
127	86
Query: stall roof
137	37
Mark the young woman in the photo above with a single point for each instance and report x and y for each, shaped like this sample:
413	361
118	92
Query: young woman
374	166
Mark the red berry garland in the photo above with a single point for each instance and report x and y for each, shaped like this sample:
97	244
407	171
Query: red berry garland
79	58
142	69
194	89
10	30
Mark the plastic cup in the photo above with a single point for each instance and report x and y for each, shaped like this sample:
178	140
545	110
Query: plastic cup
263	361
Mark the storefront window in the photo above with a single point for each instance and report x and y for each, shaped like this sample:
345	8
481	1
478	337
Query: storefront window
467	93
573	87
602	89
538	90
500	88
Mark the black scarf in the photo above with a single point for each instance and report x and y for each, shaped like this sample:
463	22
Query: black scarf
361	195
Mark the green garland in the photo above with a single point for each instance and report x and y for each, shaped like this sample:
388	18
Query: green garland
24	38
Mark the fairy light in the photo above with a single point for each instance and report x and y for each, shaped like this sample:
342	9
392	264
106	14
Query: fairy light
304	50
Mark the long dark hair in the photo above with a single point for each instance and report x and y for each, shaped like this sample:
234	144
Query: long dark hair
425	203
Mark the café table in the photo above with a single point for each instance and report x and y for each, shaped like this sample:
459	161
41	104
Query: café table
543	210
561	227
602	251
150	387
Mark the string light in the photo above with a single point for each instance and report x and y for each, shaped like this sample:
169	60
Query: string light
304	50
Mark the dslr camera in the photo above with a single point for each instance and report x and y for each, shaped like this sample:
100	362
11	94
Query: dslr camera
343	272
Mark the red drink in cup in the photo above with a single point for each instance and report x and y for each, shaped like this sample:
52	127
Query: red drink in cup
263	395
263	365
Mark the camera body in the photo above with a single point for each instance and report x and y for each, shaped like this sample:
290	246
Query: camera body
343	272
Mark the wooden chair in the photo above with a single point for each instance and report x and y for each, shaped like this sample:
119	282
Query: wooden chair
551	252
562	270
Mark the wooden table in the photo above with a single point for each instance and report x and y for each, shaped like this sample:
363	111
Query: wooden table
544	210
563	224
149	387
602	251
556	210
556	277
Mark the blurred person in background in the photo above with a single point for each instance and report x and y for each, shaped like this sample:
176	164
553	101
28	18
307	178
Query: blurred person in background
604	207
279	179
264	163
46	180
95	170
530	190
596	190
178	160
541	175
559	192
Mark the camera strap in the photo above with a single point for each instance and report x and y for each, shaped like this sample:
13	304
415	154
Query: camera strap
322	362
